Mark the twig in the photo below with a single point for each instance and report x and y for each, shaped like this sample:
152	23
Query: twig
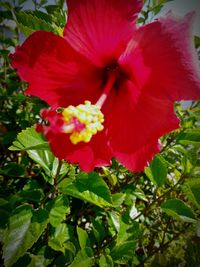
164	246
157	200
57	173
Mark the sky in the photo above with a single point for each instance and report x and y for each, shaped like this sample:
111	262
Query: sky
181	7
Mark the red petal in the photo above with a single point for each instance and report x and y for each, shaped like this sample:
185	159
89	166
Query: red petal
93	154
133	125
100	29
167	59
137	160
55	72
162	65
96	153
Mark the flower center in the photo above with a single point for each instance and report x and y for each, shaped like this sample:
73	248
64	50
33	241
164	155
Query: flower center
85	120
82	121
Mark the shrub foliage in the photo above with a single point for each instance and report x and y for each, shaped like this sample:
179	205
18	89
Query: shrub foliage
52	214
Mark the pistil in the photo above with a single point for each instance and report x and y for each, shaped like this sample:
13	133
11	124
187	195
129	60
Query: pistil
107	89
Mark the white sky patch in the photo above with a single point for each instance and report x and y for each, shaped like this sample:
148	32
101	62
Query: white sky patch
182	7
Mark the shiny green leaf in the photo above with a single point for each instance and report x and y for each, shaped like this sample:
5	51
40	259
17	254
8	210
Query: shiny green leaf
58	240
29	139
106	261
88	187
59	210
24	229
192	189
157	171
123	251
191	136
84	258
83	238
34	21
178	209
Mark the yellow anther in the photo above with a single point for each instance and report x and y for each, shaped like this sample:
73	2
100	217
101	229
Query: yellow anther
82	121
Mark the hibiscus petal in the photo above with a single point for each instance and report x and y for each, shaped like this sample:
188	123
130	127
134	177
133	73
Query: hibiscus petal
96	153
100	29
168	60
55	72
162	65
137	160
135	121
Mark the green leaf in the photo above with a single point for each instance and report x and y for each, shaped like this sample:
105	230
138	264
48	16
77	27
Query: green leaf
14	245
197	41
191	136
84	258
38	150
106	261
23	261
36	260
178	209
29	21
13	169
115	220
24	29
5	209
34	20
157	9
83	238
39	222
35	195
140	20
51	8
41	15
58	241
88	187
3	202
70	247
9	137
24	229
58	15
32	191
123	250
192	189
128	230
29	139
59	210
157	171
47	161
140	194
31	260
6	14
118	199
98	229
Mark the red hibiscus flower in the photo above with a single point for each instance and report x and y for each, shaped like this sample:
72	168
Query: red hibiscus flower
133	74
